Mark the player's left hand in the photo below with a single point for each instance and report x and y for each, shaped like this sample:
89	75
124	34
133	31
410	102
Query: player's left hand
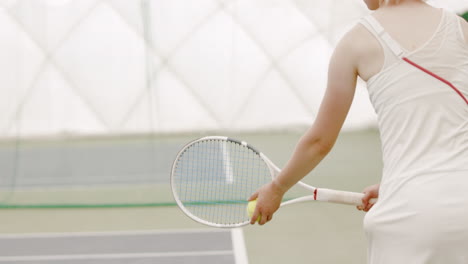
269	198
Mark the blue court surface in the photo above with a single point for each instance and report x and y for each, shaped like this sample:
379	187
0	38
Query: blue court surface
169	247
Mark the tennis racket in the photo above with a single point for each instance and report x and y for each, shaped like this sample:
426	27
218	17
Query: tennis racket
212	177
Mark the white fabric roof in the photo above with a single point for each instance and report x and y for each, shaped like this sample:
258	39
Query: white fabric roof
117	66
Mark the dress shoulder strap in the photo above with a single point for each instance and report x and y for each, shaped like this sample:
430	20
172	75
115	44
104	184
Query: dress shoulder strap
374	26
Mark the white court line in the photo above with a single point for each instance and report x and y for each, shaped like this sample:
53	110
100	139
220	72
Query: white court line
113	233
227	164
117	256
238	244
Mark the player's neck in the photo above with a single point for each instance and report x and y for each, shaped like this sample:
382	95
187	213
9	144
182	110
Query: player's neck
404	4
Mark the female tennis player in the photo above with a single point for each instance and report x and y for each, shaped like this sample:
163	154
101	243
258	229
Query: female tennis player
414	58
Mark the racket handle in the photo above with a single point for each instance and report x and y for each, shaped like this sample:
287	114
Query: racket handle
341	197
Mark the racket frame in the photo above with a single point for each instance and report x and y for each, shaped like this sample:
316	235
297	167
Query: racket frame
174	191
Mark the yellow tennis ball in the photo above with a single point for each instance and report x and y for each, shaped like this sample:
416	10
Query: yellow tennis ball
251	209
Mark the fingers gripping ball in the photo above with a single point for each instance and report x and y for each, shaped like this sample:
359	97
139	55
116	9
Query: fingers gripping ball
251	209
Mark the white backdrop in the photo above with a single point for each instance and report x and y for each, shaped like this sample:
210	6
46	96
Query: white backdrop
87	67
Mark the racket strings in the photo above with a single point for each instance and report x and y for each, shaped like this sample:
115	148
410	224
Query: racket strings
214	178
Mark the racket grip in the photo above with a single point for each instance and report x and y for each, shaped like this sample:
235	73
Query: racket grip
341	197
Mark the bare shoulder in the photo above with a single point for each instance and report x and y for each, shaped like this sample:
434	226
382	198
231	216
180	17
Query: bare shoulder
356	39
356	42
364	49
464	26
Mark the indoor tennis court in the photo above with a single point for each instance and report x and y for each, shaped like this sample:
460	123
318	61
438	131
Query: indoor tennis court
98	97
104	215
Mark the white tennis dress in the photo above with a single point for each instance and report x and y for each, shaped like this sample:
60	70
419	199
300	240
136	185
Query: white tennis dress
422	212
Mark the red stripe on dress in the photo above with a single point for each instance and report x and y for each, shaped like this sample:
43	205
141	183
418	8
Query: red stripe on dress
437	77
